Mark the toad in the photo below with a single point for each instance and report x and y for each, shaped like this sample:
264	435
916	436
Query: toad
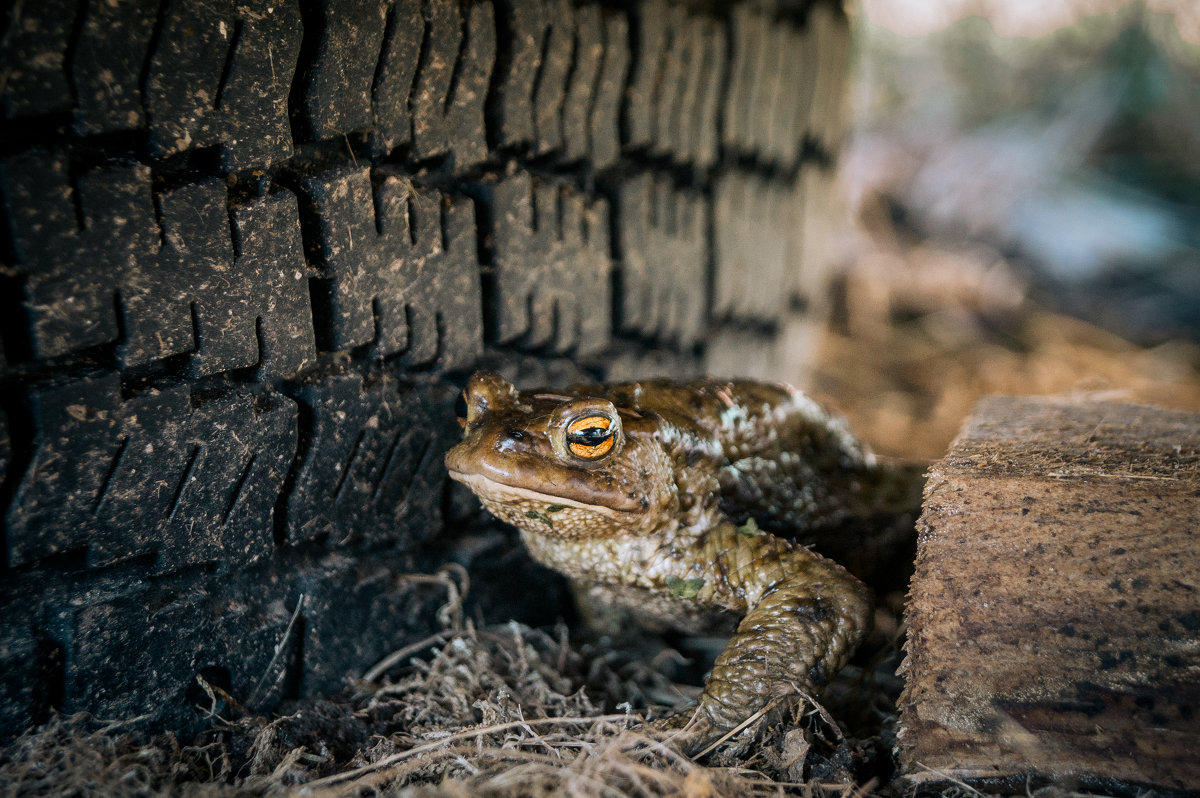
683	503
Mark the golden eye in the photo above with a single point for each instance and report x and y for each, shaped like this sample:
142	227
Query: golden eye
591	437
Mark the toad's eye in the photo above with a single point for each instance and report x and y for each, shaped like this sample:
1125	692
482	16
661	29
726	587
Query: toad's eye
591	437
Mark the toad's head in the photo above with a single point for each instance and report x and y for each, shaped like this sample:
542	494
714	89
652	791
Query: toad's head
572	465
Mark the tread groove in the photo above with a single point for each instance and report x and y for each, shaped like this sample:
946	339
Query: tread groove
593	90
144	77
386	44
460	58
183	481
347	466
568	83
235	42
388	460
102	494
73	40
536	86
421	462
236	496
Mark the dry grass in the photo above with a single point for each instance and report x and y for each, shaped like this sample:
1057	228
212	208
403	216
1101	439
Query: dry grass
500	711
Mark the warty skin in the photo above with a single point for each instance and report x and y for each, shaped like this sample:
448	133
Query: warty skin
642	492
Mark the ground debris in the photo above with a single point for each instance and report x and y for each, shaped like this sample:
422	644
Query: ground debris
79	756
503	710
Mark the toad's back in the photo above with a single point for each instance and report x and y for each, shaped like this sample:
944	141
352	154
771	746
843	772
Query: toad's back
778	457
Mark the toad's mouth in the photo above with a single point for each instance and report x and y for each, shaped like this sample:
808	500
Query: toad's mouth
490	489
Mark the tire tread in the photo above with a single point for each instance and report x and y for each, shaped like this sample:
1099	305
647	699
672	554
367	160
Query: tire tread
250	251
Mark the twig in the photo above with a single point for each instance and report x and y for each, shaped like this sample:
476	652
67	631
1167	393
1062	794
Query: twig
1108	475
388	761
519	784
951	779
819	708
738	728
449	614
212	691
534	735
642	741
113	725
388	662
278	650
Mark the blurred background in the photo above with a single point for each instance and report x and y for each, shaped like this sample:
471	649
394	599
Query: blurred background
1022	196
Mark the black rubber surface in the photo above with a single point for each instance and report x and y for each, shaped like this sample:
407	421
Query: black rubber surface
251	249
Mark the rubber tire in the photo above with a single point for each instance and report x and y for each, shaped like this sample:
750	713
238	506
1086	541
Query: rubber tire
252	249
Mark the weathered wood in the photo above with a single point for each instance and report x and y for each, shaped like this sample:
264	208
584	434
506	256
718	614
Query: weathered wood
1054	617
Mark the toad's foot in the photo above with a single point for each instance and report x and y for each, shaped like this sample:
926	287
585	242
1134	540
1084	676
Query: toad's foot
691	731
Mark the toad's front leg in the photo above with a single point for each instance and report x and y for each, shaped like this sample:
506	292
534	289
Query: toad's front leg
805	614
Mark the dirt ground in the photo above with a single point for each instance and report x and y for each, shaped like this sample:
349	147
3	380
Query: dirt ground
504	710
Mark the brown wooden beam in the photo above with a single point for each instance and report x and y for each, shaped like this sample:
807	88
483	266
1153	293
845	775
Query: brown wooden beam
1054	616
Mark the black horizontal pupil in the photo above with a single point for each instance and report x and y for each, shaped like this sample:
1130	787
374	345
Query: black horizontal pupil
592	436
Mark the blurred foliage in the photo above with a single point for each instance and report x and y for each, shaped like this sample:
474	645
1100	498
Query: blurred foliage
1076	154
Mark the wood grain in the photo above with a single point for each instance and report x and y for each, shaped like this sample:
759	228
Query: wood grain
1054	616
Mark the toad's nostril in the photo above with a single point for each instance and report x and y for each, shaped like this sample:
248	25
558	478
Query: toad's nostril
510	441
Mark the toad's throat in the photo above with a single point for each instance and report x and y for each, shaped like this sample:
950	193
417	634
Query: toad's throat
491	490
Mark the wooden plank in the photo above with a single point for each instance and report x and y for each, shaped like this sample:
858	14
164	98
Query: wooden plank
1054	616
